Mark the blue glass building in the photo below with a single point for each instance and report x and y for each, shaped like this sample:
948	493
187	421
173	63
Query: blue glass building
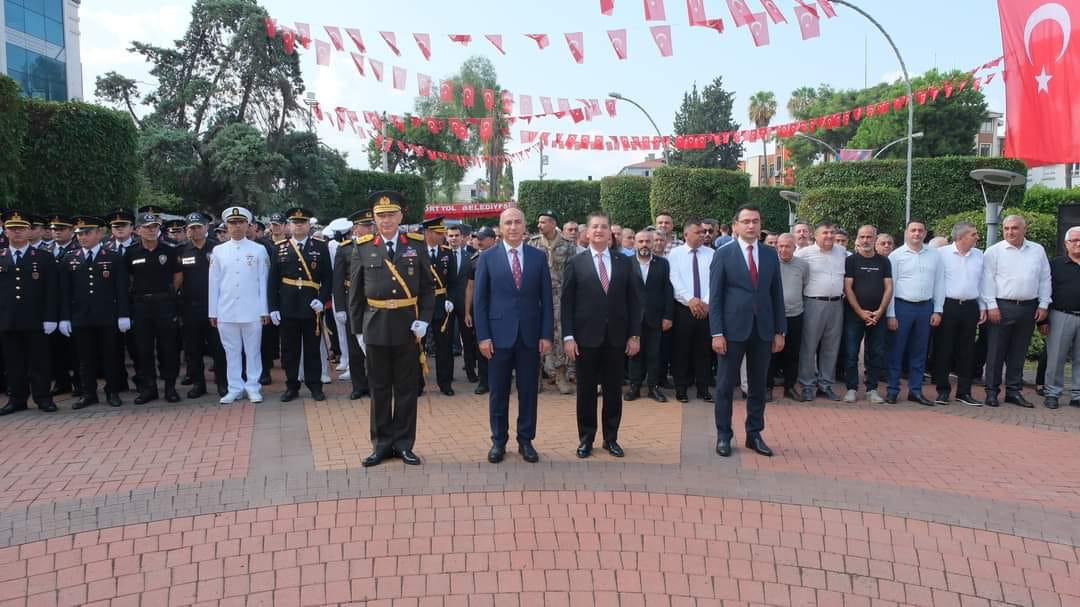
39	47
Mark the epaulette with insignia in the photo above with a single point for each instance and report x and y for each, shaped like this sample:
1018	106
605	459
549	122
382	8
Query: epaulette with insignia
365	238
282	241
415	236
345	244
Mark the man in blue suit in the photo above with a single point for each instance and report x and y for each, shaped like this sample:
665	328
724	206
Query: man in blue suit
746	317
514	320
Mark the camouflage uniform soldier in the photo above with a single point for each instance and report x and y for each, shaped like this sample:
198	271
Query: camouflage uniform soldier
559	250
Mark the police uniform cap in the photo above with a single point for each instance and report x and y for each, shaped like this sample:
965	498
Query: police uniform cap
434	224
548	213
485	232
362	217
14	218
278	217
385	201
84	223
58	221
174	224
145	219
37	220
198	218
298	214
120	216
220	227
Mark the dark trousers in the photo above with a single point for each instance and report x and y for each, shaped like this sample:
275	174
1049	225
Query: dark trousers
126	343
297	334
26	358
786	361
202	339
758	353
65	367
645	367
357	360
954	345
444	355
691	356
270	346
599	366
522	362
482	368
96	347
1008	345
154	324
855	332
468	341
912	338
394	377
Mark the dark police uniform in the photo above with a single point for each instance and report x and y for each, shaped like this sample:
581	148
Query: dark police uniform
28	298
292	289
443	273
198	336
383	304
154	314
481	361
271	336
93	296
125	341
65	366
342	264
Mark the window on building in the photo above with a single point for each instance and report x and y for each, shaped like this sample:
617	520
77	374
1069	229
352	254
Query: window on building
987	127
42	19
646	172
38	76
984	149
1075	170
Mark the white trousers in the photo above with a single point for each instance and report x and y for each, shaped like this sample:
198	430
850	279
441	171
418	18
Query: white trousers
343	342
242	339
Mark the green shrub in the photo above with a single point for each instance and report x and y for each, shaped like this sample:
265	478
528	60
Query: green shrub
1042	199
698	193
939	186
359	184
78	157
774	210
852	207
626	199
12	134
1042	227
572	200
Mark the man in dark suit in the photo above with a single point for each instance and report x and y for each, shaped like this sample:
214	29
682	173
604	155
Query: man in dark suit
462	254
746	318
658	300
514	320
601	316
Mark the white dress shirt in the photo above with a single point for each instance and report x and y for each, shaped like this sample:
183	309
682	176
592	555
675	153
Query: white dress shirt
963	273
682	272
239	270
644	269
21	252
596	256
1016	273
520	255
917	276
96	250
827	269
746	254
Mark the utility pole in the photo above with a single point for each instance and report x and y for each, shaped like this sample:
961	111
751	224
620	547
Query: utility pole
543	160
385	154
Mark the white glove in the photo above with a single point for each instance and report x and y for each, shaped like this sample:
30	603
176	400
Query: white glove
360	342
449	306
316	305
419	328
49	327
124	324
275	317
341	317
65	328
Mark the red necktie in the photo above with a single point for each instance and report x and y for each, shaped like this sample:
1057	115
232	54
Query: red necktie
515	267
603	272
753	266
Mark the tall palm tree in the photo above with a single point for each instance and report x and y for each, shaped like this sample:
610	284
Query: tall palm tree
800	101
762	110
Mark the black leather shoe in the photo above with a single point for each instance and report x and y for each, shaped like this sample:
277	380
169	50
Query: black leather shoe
584	450
1075	402
1019	401
758	445
496	453
969	400
197	391
264	379
85	402
829	394
318	395
145	397
374	459
992	401
633	393
681	397
187	381
942	398
613	448
289	396
47	407
657	394
113	399
920	399
12	408
76	391
359	393
723	447
471	377
807	395
481	389
409	457
705	395
222	390
446	390
171	395
1051	402
891	398
791	394
528	453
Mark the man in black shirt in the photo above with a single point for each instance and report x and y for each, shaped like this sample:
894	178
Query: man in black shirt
1063	336
868	289
199	337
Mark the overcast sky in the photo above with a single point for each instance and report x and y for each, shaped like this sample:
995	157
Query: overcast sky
956	34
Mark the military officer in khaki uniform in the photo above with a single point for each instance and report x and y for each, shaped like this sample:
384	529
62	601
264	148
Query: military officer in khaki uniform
559	250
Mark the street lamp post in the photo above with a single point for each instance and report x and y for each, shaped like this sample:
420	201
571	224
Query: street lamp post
1000	178
819	142
892	143
793	199
638	106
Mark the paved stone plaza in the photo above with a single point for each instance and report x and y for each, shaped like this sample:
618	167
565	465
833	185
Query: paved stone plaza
268	505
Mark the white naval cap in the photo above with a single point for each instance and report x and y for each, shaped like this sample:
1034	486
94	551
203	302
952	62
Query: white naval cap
236	213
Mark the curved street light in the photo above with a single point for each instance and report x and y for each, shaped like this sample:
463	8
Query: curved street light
793	199
638	106
892	143
995	178
818	141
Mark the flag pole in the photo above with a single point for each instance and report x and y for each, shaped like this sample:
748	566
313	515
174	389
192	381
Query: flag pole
910	104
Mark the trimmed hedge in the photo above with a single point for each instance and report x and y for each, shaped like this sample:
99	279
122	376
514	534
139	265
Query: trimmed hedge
698	193
939	186
774	210
1042	227
12	134
626	199
359	184
78	157
1042	199
572	200
850	208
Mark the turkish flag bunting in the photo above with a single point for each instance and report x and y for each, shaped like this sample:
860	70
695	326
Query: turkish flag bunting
809	23
716	24
423	84
468	95
990	77
947	88
609	104
618	42
335	37
662	36
528	136
400	75
462	39
415	121
525	105
288	39
489	99
961	87
607	7
496	41
541	40
577	114
506	99
357	39
827	8
376	68
774	12
487	125
920	96
391	40
317	109
304	31
398	122
340	111
446	91
571	140
695	11
576	43
271	27
545	103
759	29
458	128
654	10
564	105
322	52
740	13
424	42
358	61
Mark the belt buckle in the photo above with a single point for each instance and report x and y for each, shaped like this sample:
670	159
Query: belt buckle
392	304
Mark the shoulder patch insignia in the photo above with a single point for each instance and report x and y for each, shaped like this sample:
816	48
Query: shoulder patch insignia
345	244
414	236
282	241
365	238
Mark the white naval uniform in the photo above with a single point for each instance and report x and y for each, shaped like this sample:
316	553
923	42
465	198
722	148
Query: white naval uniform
239	271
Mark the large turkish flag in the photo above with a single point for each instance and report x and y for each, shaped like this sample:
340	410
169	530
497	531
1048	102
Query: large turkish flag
1042	80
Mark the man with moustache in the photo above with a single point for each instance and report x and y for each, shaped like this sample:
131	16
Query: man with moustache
658	314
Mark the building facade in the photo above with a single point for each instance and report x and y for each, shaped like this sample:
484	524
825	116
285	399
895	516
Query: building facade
644	168
989	142
772	170
39	48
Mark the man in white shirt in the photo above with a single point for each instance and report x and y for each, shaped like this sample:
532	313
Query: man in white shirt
964	311
691	355
239	270
1016	290
918	298
823	313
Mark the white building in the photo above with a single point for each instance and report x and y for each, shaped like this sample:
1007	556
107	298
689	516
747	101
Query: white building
1052	176
39	47
644	168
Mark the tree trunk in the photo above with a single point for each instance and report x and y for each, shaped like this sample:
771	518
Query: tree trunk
1068	175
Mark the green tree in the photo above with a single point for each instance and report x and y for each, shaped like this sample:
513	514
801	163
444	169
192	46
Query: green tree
708	111
13	128
313	172
240	159
761	111
800	101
